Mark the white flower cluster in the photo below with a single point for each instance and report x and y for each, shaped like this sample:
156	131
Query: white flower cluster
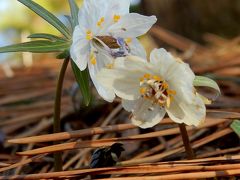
106	42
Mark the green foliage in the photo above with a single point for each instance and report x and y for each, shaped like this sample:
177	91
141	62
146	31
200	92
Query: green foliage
82	78
48	16
206	82
74	12
63	55
46	36
236	127
39	46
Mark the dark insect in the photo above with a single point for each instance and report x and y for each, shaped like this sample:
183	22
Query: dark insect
106	157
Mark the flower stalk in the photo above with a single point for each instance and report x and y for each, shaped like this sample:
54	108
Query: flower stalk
57	112
186	142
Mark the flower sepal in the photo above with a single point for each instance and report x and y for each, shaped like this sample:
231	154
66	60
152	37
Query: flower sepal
202	81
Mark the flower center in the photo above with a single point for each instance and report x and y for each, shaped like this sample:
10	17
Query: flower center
155	89
116	18
89	35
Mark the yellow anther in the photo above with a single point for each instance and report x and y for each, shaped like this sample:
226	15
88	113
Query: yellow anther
128	40
171	92
179	60
142	90
165	85
141	79
157	78
116	18
99	23
109	66
168	102
89	35
147	76
102	19
93	60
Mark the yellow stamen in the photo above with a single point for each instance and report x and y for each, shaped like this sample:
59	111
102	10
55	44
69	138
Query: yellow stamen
128	40
157	78
168	103
141	79
179	60
93	60
116	18
102	19
147	76
109	66
171	92
100	22
89	35
165	85
142	90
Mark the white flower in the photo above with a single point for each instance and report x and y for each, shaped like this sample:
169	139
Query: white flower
150	89
107	30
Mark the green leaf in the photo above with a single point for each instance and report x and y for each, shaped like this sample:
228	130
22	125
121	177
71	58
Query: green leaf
74	12
206	82
48	16
41	46
46	36
63	55
82	78
236	127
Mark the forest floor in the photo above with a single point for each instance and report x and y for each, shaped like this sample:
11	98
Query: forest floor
26	111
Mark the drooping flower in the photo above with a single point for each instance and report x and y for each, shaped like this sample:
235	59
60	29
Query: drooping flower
107	30
150	89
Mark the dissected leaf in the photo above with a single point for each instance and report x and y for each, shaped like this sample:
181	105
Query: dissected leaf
40	46
74	12
82	78
48	16
236	127
46	36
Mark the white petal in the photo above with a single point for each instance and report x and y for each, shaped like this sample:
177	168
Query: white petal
190	114
132	25
114	7
119	7
80	49
90	13
129	105
132	63
180	78
124	82
162	60
137	48
195	113
106	93
175	112
146	115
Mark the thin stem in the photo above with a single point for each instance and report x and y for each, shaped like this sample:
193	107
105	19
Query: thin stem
57	112
186	142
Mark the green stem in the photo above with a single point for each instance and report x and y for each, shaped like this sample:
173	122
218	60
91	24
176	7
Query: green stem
57	111
186	142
